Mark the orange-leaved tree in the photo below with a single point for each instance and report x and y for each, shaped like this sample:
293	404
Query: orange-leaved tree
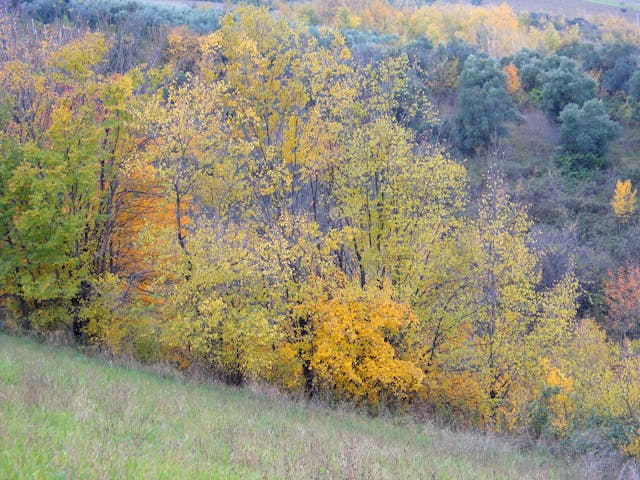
622	294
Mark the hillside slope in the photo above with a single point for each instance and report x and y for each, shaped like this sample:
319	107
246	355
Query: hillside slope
64	415
576	8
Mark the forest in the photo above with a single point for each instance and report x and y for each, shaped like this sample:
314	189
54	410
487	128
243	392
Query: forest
400	206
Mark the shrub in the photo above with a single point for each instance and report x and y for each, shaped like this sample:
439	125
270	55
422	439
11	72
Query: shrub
585	133
563	86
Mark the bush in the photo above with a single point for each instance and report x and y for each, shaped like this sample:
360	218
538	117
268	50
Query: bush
585	133
563	86
581	166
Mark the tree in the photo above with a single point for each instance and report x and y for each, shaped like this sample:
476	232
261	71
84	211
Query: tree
357	347
562	85
506	302
632	89
624	201
287	96
585	133
445	66
184	131
605	391
393	86
514	322
622	294
633	86
53	192
528	66
483	105
218	309
513	79
616	79
392	206
74	189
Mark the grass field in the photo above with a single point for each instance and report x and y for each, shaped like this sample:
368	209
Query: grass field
631	4
576	8
65	415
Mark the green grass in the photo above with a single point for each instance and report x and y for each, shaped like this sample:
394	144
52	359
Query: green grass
618	4
65	415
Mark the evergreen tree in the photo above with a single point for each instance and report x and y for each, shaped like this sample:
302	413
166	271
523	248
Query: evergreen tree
483	105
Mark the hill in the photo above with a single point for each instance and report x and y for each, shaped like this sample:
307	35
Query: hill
577	8
64	415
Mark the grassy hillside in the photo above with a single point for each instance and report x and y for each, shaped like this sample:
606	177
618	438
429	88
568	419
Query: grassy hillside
576	8
63	415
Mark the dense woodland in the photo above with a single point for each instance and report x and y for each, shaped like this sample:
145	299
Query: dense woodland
396	205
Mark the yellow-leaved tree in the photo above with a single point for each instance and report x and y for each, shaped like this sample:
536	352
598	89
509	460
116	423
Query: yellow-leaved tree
287	95
624	201
358	349
514	323
216	307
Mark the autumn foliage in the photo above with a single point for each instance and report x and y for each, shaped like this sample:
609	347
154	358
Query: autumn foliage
624	202
260	208
622	291
513	79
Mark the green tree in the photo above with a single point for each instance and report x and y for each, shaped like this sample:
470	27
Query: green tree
563	85
633	94
51	179
633	87
483	105
585	133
